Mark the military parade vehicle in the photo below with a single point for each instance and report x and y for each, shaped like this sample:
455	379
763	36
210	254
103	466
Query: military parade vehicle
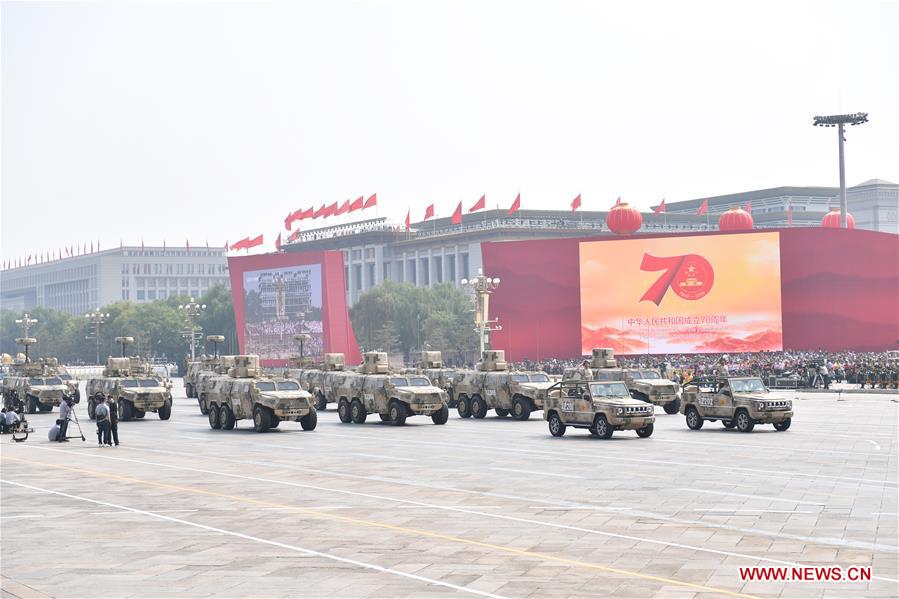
204	364
740	402
129	384
394	397
430	364
602	407
220	368
645	384
493	387
321	379
246	393
36	386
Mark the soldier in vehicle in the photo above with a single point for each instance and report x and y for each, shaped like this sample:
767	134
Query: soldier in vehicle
584	372
721	369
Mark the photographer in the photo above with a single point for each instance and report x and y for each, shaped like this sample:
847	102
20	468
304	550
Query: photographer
65	408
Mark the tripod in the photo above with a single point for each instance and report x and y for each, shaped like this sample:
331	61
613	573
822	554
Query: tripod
78	424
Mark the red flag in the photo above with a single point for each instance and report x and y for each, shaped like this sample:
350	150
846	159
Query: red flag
207	244
92	247
660	208
288	220
515	205
480	204
254	242
187	244
330	210
294	235
703	208
429	212
408	222
371	201
319	212
345	207
356	204
790	215
457	215
308	213
278	243
227	248
141	246
749	206
576	203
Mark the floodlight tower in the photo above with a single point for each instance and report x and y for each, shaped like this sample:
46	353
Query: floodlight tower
191	311
839	121
96	319
302	339
483	286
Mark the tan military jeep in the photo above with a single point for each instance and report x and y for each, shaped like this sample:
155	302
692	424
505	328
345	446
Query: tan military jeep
246	393
129	384
493	387
599	406
740	402
33	392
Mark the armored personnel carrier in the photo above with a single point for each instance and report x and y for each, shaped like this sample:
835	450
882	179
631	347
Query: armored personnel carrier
246	393
129	384
393	397
220	368
36	386
204	364
602	407
740	402
430	364
645	384
320	379
493	387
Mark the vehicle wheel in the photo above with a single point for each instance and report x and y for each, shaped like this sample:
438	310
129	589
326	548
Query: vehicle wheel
602	427
672	407
165	412
44	407
646	431
320	402
521	409
357	412
782	426
343	411
226	416
31	405
203	408
126	411
309	421
275	421
261	419
501	412
464	407
478	407
139	413
728	424
384	417
91	409
694	420
744	422
440	416
556	426
213	413
397	413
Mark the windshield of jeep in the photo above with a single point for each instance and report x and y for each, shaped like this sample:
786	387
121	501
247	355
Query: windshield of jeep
52	381
519	378
265	386
149	383
129	383
539	378
608	375
747	386
66	377
647	374
288	386
603	390
35	382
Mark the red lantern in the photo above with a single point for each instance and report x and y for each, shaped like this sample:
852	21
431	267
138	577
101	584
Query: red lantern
832	220
735	219
624	219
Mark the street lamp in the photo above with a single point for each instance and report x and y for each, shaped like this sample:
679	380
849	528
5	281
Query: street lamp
215	340
839	121
302	339
483	286
191	311
25	323
96	319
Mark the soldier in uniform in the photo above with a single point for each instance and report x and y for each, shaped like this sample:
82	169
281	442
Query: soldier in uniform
721	368
584	372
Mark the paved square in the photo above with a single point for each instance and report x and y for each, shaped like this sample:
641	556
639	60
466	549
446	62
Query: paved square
492	507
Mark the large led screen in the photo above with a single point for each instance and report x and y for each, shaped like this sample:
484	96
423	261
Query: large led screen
685	294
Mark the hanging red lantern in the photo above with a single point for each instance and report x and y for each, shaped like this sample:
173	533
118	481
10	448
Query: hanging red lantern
735	219
832	220
624	219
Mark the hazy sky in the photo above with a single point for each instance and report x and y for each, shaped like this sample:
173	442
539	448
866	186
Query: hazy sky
166	121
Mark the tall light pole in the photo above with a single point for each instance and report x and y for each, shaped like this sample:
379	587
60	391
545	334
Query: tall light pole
302	339
25	323
215	340
96	319
839	121
191	311
483	286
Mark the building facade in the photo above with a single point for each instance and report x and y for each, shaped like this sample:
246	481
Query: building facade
81	283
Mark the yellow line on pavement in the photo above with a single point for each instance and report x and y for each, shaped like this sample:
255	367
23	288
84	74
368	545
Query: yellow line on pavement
375	524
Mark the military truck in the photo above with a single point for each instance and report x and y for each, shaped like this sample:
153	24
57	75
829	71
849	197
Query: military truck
740	402
430	364
645	384
220	368
320	379
204	364
246	393
602	407
493	387
129	384
52	367
393	397
35	385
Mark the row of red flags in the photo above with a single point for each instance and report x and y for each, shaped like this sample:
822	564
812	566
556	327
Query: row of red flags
330	210
69	251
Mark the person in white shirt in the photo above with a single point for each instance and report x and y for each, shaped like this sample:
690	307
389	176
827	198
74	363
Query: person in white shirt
102	414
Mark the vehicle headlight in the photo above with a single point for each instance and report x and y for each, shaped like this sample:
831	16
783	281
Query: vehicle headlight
620	411
760	405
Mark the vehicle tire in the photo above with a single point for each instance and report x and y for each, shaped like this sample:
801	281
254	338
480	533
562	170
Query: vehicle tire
694	420
275	421
744	422
357	412
226	416
261	419
343	411
463	406
213	414
782	426
602	427
309	421
384	417
672	407
556	426
321	403
203	408
501	412
91	408
397	413
521	409
165	412
43	407
646	431
126	410
478	407
440	416
31	405
728	424
139	414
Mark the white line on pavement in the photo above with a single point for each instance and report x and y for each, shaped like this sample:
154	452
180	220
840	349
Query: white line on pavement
747	496
725	511
383	457
536	473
